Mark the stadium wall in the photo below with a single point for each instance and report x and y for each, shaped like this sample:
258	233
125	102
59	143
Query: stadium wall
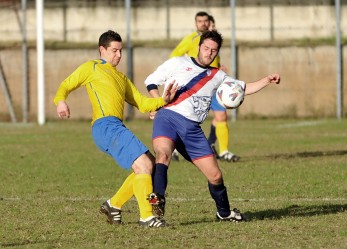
308	87
78	21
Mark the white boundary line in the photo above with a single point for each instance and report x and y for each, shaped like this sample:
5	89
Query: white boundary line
301	124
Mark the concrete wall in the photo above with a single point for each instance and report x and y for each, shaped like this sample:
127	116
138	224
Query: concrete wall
253	23
308	87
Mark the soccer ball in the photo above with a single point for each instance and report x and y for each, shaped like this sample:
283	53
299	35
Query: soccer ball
230	94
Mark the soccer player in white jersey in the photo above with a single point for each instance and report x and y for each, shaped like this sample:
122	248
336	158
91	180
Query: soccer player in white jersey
177	125
219	131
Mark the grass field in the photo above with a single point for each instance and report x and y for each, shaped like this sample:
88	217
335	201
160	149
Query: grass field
291	181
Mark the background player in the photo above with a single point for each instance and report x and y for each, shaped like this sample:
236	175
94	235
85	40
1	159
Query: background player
108	89
219	129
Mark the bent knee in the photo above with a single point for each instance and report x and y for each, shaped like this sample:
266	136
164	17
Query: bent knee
143	165
220	116
215	178
163	158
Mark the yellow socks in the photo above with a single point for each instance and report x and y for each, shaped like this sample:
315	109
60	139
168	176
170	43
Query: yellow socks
142	188
125	192
222	133
139	185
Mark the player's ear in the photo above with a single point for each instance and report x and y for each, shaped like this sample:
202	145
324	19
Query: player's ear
101	49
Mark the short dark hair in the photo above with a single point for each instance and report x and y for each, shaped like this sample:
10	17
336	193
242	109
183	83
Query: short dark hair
211	18
107	37
214	36
201	13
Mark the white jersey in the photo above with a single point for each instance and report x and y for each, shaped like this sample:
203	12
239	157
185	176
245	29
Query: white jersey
196	85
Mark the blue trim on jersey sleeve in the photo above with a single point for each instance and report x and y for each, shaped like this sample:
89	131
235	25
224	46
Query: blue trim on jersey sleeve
152	87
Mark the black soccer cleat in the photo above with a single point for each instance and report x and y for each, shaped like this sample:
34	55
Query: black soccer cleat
152	222
114	215
158	203
235	216
228	156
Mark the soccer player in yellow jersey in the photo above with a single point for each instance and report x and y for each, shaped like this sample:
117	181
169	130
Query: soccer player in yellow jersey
219	128
108	90
189	45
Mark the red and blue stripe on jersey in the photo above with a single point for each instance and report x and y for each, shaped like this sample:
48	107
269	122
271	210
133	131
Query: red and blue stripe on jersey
193	86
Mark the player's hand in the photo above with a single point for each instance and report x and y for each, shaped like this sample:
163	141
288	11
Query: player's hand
170	91
63	110
274	78
152	115
223	68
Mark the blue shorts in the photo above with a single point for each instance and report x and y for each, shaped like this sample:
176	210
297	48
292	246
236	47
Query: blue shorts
187	135
215	106
112	137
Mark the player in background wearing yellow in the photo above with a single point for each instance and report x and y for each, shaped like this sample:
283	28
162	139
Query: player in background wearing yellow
108	90
219	128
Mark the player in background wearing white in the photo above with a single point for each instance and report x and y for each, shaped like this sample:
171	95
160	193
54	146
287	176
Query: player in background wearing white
177	125
219	128
108	90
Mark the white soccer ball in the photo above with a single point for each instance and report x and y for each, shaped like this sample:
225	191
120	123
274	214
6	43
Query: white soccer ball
230	94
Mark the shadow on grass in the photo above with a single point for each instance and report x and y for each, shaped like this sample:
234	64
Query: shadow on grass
297	211
304	154
291	211
24	243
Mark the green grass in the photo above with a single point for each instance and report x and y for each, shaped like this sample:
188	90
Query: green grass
291	181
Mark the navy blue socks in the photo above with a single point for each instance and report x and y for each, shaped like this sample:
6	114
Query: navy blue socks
160	178
220	196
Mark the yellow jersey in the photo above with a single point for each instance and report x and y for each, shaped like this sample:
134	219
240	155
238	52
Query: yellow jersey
190	45
108	90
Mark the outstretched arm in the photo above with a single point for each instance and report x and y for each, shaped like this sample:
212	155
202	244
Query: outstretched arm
256	86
